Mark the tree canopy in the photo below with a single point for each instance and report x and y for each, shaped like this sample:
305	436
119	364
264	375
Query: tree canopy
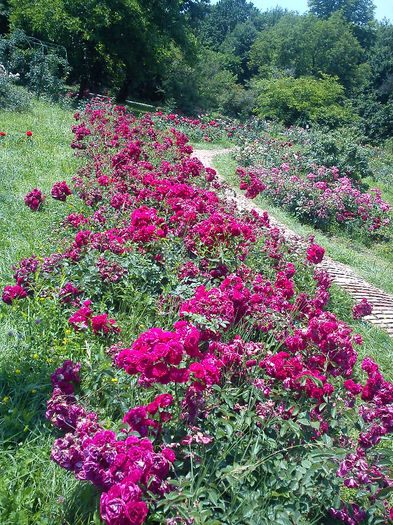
194	55
127	41
302	99
308	46
359	12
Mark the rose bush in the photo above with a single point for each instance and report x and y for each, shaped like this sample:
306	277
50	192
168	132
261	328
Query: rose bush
241	399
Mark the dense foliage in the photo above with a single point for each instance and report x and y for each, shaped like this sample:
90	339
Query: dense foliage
39	66
196	56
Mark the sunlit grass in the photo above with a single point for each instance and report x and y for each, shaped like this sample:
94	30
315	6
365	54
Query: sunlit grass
26	163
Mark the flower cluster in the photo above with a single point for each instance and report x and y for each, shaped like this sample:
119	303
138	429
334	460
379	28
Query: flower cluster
34	199
324	199
157	354
362	309
315	253
124	469
10	293
239	310
83	318
60	191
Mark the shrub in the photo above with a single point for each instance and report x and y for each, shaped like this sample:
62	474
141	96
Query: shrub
340	148
14	98
42	67
323	199
300	100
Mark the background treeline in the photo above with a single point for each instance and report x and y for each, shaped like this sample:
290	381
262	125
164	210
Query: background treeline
332	65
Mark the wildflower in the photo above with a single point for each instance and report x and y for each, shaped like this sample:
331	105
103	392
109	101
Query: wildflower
29	133
2	134
17	371
5	399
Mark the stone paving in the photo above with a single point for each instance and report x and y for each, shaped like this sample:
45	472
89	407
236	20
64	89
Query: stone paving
343	275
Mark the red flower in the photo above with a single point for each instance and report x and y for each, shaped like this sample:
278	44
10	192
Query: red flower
14	292
29	133
170	455
60	191
2	134
101	324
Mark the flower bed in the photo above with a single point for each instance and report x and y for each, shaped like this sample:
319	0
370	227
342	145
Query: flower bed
242	399
324	198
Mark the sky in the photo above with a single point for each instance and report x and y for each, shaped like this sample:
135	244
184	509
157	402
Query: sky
384	8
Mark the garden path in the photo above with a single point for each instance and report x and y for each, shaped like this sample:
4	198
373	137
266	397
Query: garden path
341	274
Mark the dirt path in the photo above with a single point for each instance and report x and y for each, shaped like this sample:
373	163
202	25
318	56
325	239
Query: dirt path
341	274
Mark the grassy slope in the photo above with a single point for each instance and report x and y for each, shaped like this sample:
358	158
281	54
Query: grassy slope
29	162
369	262
32	488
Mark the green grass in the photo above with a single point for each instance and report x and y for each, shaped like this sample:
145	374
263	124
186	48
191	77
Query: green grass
33	490
26	163
374	263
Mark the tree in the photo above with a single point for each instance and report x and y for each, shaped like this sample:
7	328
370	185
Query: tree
125	43
238	44
375	104
359	12
381	63
308	46
4	14
222	18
